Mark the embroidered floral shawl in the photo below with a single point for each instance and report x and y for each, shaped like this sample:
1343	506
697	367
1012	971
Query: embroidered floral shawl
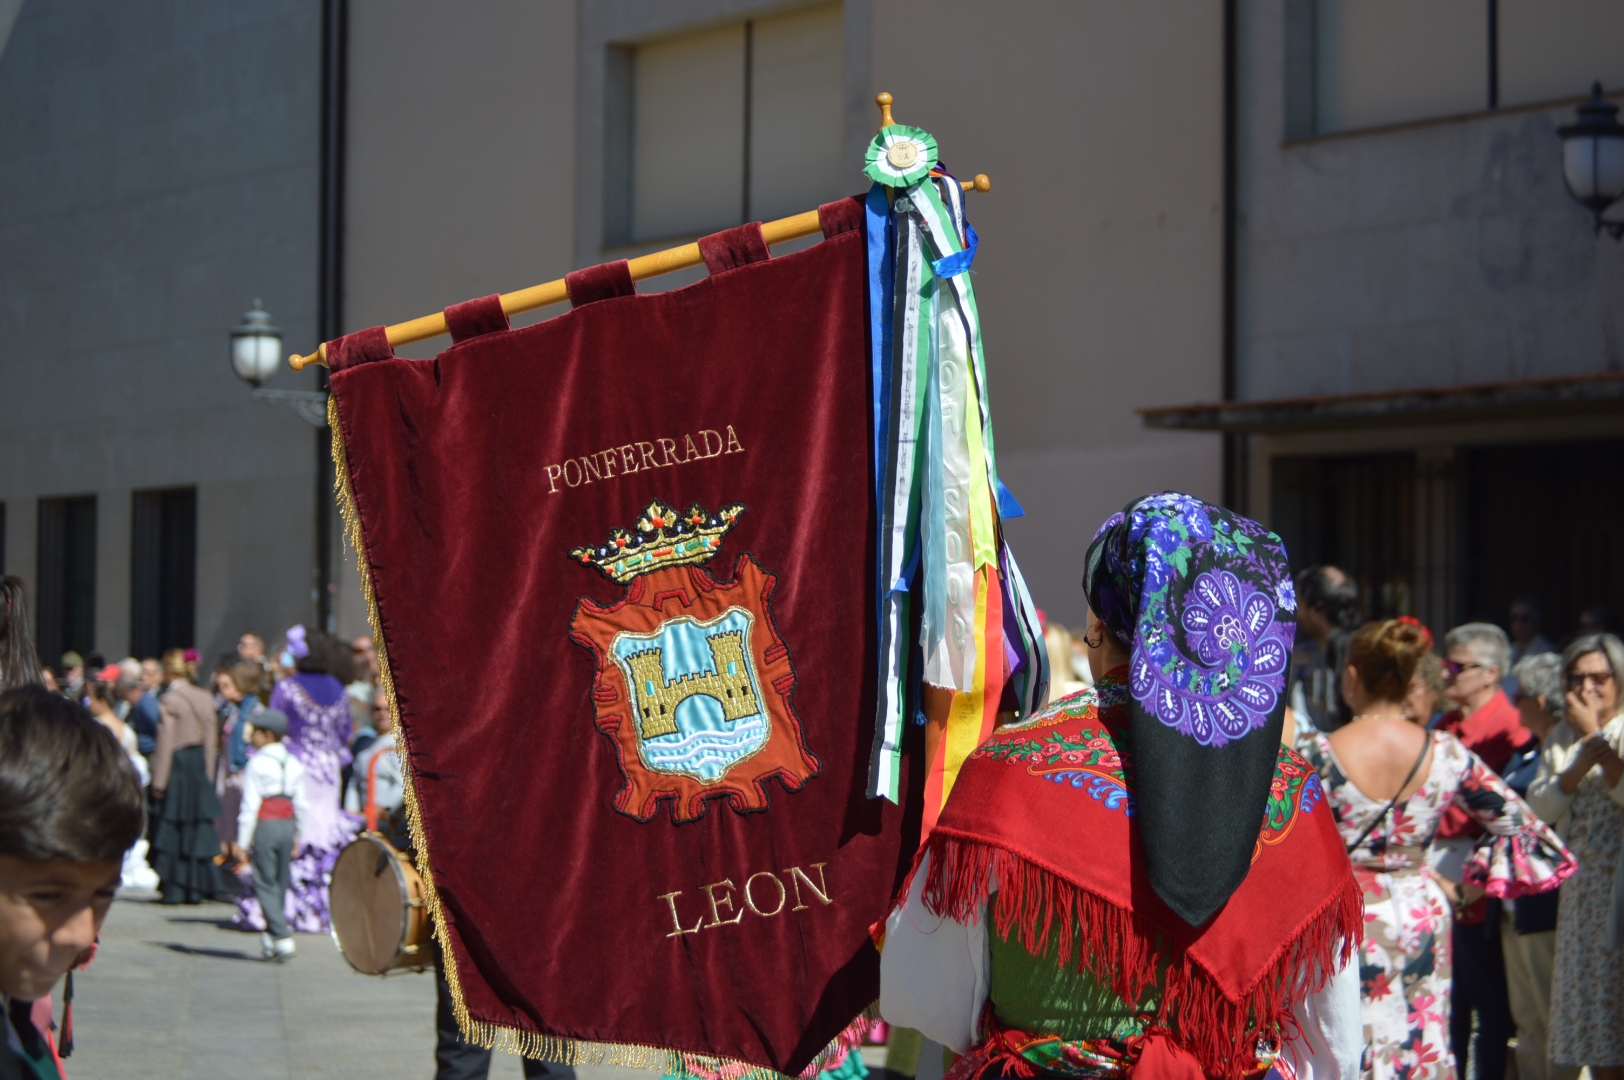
1047	816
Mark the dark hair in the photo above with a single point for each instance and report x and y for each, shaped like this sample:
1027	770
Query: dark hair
1338	602
1599	617
1531	602
67	789
245	675
19	663
1385	655
327	656
106	692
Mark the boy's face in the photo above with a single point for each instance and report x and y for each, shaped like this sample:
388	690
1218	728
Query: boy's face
50	912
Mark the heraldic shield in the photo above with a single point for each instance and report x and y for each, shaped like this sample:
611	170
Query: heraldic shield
693	683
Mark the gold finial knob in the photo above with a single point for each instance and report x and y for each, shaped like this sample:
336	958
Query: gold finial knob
296	362
883	100
982	184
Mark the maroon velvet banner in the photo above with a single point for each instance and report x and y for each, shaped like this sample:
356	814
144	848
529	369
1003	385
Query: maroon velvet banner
622	564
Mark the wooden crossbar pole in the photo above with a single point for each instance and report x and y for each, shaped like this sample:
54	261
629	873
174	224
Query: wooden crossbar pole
642	267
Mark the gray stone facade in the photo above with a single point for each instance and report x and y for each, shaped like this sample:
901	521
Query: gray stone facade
158	171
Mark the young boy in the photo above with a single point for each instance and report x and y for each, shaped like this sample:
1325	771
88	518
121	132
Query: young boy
270	820
70	807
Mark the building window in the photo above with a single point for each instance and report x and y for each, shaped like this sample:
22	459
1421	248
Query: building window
163	571
711	129
67	577
1554	49
1356	513
1388	61
1354	64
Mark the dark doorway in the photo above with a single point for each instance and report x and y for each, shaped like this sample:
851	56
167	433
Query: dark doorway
67	577
1355	512
163	571
1545	519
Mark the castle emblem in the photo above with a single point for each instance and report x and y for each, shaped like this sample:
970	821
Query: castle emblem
693	683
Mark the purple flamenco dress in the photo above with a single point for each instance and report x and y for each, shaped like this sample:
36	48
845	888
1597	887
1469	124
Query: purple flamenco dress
318	735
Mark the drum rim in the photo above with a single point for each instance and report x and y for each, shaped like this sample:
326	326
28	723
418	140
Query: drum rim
396	856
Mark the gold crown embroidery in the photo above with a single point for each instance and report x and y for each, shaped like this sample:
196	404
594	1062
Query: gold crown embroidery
663	538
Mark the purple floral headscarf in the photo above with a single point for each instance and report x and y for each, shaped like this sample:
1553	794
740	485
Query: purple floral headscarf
1203	599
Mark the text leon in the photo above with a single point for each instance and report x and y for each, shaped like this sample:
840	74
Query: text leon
638	456
722	903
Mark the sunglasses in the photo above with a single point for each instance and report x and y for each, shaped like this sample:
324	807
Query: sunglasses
1579	680
1453	668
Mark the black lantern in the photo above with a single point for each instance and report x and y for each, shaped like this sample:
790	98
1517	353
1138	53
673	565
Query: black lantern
1593	159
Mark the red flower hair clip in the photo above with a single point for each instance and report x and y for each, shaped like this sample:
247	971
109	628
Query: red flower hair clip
1411	620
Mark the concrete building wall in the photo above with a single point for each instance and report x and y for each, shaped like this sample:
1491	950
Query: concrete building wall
1426	254
460	167
158	171
1099	274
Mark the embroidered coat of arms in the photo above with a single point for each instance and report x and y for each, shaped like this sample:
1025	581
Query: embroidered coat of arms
693	682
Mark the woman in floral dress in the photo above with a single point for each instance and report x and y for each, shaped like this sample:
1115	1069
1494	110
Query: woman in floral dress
1578	788
1405	965
319	723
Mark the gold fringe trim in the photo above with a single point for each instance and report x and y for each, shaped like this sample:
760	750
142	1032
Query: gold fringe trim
529	1044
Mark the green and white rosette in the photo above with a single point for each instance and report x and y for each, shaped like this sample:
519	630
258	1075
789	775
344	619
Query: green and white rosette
900	156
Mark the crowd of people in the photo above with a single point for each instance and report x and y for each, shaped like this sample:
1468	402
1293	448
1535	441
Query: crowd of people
241	786
1447	971
311	706
1474	784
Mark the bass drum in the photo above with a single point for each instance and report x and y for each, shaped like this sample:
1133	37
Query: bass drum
380	922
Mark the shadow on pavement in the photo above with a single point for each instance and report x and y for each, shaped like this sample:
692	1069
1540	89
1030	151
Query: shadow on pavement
218	954
223	923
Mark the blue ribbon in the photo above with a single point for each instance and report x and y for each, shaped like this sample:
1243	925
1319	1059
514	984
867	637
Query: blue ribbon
1007	506
881	272
957	263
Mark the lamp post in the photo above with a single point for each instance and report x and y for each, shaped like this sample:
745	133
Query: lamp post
1593	159
256	350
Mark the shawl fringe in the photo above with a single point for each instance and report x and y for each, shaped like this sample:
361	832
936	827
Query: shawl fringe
1125	951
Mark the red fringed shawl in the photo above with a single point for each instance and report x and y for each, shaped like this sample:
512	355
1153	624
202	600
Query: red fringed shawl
1043	815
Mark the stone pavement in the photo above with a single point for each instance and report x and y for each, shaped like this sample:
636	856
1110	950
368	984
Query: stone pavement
174	995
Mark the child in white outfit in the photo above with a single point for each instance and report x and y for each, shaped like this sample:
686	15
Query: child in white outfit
273	812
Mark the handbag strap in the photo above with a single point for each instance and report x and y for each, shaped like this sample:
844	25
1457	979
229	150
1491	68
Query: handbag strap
1426	744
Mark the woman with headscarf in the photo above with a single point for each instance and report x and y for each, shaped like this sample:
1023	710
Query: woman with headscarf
1389	783
318	713
1168	897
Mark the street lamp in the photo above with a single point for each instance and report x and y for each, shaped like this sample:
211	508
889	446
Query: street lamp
256	346
256	350
1593	159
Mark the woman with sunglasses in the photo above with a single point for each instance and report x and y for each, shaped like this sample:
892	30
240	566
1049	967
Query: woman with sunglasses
1578	789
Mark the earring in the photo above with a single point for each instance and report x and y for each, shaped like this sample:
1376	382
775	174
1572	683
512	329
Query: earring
1091	643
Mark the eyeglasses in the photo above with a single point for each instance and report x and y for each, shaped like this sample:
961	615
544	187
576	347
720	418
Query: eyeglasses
1453	668
1578	680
